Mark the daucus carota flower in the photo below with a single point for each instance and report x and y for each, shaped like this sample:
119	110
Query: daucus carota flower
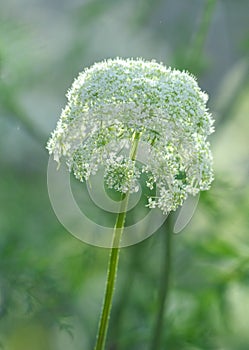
114	99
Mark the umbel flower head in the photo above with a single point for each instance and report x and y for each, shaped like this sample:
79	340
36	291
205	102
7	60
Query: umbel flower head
114	99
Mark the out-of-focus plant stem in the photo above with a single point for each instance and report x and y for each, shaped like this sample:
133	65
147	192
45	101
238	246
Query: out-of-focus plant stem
196	49
164	284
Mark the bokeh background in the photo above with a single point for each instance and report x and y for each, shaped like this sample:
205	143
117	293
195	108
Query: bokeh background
51	284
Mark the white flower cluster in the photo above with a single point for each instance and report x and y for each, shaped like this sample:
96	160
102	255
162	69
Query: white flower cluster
114	99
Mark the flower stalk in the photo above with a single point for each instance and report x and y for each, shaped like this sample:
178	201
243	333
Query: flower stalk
114	258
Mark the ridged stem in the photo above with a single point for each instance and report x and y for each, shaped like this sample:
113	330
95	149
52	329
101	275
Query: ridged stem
114	258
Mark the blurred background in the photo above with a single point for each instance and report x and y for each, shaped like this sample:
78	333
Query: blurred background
51	284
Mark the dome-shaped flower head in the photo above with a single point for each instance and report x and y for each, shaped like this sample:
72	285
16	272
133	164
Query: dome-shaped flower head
114	99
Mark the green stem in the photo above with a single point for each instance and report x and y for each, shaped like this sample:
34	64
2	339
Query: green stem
164	284
114	258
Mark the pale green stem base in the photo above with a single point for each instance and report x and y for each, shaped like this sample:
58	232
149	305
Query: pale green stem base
114	258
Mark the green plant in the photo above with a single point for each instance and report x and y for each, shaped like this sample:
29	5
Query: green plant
114	107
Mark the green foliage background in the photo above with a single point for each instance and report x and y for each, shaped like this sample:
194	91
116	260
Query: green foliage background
51	285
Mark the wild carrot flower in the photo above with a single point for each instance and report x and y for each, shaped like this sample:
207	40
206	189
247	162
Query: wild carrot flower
115	98
118	105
